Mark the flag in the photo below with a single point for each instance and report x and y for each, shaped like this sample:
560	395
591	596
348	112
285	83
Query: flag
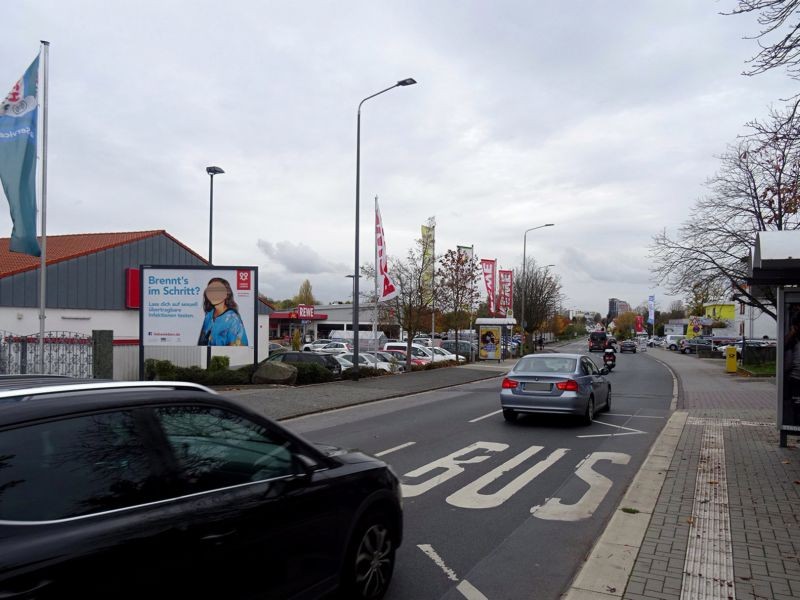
651	305
428	243
18	114
388	290
487	266
506	301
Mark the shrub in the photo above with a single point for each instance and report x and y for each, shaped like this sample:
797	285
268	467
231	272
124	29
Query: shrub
150	369
440	364
311	373
219	363
218	377
363	372
165	370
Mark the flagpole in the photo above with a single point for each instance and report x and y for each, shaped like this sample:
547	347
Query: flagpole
377	269
43	261
433	286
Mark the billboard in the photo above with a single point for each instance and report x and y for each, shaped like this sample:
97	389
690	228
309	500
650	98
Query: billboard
198	306
788	372
490	340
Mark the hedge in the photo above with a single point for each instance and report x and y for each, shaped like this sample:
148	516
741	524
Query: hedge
363	372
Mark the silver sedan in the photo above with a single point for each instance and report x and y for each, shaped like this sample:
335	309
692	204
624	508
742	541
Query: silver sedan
565	384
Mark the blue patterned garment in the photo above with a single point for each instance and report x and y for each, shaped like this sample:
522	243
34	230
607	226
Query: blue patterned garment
225	330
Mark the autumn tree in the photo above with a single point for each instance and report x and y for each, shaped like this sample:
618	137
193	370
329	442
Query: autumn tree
756	189
624	322
304	294
456	289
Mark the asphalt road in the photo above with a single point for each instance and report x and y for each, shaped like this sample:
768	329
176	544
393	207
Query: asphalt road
496	510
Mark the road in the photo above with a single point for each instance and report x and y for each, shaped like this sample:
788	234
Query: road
496	510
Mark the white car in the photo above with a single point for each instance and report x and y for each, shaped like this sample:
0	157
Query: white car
314	346
368	360
442	354
336	348
346	364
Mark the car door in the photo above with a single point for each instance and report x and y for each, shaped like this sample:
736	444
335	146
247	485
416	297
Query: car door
84	505
599	383
264	517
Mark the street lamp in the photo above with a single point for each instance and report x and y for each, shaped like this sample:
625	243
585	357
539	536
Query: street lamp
525	277
211	171
401	83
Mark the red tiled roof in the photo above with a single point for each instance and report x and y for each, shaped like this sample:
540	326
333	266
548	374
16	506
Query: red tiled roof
66	247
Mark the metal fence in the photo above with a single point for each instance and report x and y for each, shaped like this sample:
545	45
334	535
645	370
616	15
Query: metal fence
65	353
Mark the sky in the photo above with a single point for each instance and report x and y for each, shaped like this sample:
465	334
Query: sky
604	118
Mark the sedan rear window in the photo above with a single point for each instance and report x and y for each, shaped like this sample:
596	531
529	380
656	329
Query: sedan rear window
545	364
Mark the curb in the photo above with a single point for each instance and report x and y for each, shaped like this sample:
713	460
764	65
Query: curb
606	572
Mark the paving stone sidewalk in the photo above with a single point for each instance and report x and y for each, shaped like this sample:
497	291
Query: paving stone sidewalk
761	526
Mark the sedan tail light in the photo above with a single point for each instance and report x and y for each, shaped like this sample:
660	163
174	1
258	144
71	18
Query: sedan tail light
509	384
570	385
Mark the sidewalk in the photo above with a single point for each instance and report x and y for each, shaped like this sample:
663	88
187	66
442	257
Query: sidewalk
726	521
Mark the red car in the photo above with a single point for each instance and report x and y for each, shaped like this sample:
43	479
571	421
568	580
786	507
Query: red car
401	356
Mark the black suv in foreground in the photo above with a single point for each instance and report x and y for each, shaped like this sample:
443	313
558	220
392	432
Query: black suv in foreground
136	489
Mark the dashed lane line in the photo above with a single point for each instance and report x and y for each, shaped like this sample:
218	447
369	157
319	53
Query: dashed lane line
469	591
491	414
395	449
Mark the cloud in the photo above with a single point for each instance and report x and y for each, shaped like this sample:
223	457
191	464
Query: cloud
299	258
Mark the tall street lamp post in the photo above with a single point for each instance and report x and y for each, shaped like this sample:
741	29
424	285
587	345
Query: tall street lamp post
401	83
211	172
525	279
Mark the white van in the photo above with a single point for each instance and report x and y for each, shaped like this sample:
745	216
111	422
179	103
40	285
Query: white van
673	342
417	350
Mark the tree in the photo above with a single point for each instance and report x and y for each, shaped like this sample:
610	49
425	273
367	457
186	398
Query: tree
773	17
677	310
304	294
413	302
756	189
456	288
625	323
542	291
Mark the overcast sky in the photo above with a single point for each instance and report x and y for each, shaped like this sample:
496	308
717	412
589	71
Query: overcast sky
604	118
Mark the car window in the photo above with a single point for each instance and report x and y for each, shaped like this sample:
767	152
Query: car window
540	364
77	466
215	448
585	368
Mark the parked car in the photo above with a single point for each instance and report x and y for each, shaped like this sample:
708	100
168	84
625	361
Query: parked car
346	364
335	348
369	360
314	346
567	384
463	348
401	356
440	354
295	356
627	346
691	346
422	341
398	366
416	350
671	342
273	347
127	489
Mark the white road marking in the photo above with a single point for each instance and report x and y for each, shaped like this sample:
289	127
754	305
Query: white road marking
555	510
491	414
628	429
618	426
437	560
469	591
390	450
451	466
470	497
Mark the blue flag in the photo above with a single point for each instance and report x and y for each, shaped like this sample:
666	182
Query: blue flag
18	114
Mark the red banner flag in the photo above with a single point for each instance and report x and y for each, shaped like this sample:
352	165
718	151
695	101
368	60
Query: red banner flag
386	287
488	267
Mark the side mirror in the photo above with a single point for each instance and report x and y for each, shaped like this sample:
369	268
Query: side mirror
604	371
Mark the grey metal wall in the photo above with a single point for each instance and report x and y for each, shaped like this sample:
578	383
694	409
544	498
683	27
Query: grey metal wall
95	281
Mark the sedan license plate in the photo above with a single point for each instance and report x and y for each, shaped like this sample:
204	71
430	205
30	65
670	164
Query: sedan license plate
536	386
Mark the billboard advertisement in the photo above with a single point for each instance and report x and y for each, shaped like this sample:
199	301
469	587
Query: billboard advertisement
490	340
788	373
198	306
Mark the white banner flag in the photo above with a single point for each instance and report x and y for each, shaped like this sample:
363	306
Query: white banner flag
387	289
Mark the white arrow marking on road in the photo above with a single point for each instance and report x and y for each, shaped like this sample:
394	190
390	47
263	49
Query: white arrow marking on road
630	429
465	587
555	510
491	414
390	450
470	497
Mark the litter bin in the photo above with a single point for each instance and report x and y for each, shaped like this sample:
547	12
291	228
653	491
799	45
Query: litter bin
730	359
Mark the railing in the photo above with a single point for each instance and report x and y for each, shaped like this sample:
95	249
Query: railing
64	352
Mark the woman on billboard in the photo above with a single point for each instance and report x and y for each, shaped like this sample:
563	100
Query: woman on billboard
222	325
